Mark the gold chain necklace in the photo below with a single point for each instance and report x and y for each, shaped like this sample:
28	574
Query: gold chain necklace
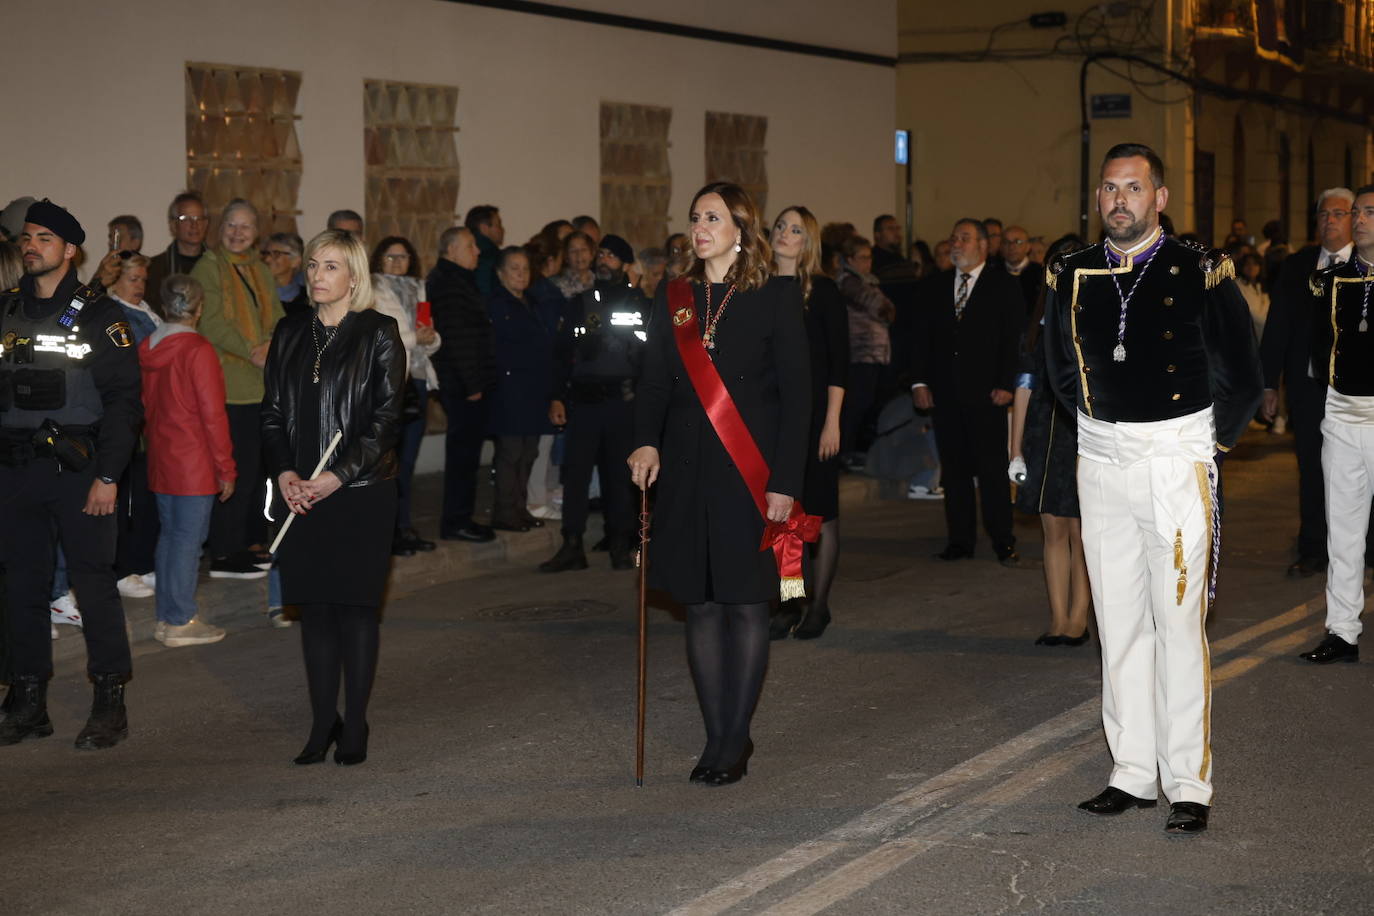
713	318
315	325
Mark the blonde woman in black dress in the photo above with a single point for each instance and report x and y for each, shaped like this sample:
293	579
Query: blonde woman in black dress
708	520
796	241
339	367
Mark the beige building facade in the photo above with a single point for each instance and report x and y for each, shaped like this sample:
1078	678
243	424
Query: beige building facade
1255	106
102	114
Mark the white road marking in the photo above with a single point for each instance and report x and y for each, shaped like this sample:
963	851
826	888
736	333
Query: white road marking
914	815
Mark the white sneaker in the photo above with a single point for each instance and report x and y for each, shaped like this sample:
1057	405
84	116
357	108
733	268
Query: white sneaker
276	617
194	633
916	491
64	610
548	513
133	586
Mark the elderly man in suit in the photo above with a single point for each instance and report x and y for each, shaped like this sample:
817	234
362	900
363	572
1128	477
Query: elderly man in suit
964	370
1286	355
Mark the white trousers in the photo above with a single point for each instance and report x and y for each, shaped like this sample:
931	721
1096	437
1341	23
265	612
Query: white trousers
1348	466
1147	496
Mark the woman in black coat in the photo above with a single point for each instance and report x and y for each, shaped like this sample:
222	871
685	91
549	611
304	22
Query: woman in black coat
707	526
522	332
796	242
339	367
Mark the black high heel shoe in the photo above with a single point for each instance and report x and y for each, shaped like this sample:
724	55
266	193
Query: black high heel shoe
1050	639
1074	640
723	777
351	759
703	768
306	757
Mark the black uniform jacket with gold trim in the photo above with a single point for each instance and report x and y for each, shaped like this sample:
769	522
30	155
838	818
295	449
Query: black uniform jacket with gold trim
1342	354
1189	342
113	364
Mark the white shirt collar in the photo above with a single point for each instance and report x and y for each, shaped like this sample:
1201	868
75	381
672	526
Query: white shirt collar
1138	247
1344	254
972	274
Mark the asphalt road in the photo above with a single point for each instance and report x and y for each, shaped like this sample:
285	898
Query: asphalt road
922	757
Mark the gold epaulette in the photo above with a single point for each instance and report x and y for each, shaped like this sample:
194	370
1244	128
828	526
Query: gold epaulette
1216	266
1056	265
1319	280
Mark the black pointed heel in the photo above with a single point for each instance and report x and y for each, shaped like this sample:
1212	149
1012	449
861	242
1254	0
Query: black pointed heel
724	777
306	757
352	758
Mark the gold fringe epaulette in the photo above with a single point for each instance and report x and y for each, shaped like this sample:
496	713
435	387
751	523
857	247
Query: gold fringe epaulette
1216	266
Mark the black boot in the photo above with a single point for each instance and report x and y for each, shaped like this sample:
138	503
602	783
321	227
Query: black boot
109	722
28	711
622	557
569	556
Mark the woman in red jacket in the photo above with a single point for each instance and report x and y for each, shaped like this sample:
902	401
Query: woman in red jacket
190	458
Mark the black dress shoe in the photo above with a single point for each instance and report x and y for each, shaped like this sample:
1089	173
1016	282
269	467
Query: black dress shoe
531	520
1332	649
509	524
813	623
477	534
1186	819
785	620
1074	640
954	553
1307	566
1011	560
1049	639
400	547
734	773
1112	800
311	756
418	543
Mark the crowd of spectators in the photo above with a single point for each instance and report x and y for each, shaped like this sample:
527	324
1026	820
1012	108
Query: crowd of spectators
480	328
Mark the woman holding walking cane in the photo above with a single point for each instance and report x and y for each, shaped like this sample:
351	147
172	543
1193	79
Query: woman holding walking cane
725	392
335	380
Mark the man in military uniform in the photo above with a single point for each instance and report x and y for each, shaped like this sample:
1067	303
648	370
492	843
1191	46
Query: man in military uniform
69	414
1150	341
1343	359
596	361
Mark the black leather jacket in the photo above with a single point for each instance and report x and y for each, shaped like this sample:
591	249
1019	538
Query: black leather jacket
362	374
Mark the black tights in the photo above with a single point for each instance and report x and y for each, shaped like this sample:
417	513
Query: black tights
727	647
826	554
339	638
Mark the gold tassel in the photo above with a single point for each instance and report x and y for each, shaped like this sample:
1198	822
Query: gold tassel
793	588
1178	548
1182	586
1223	269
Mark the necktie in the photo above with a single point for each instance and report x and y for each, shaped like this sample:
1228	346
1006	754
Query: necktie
961	297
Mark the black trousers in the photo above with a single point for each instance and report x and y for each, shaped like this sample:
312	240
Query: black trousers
467	429
239	522
1306	409
972	441
600	436
512	463
857	412
40	505
138	525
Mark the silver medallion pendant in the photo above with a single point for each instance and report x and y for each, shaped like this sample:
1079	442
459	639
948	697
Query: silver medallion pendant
1119	354
1364	325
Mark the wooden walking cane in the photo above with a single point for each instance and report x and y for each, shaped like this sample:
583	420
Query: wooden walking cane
643	633
291	516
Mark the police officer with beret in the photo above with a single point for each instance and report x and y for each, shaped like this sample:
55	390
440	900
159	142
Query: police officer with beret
70	410
1150	342
596	362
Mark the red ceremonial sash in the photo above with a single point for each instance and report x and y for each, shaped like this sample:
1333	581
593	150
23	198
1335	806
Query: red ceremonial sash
785	538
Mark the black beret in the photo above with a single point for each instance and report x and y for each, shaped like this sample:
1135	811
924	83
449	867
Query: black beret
49	215
618	247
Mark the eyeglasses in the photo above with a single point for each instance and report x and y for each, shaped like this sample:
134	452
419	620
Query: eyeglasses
1014	242
396	257
1332	214
276	253
188	218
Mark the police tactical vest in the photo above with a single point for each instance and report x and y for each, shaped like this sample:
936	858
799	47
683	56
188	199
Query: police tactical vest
611	337
44	371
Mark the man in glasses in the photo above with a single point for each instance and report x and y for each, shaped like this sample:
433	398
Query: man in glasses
1286	353
1016	255
187	223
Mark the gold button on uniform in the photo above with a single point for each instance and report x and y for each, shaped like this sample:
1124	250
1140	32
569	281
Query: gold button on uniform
1171	368
1168	300
1176	397
1168	335
1077	338
1174	270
